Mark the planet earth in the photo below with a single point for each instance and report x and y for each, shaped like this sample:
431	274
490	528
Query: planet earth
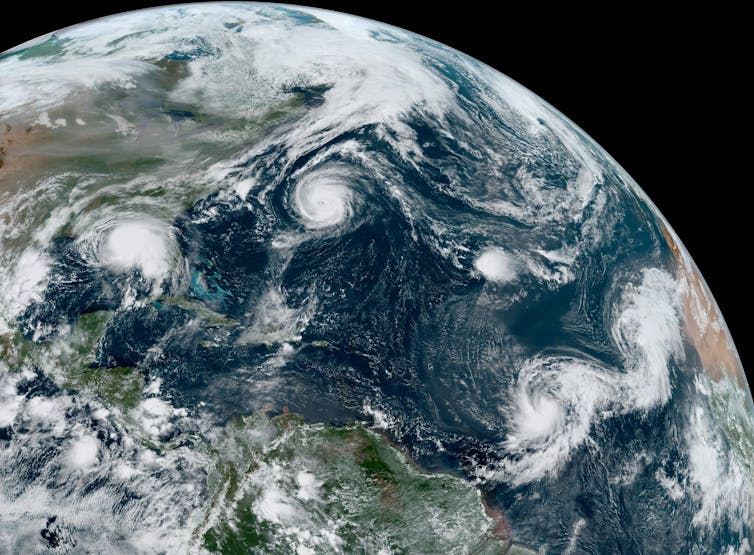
283	280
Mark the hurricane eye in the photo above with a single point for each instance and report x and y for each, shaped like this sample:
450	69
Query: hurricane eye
323	199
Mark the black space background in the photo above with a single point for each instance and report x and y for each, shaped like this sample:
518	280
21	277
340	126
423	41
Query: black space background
663	92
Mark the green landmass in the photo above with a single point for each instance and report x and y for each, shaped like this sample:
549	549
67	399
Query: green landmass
730	408
209	317
282	485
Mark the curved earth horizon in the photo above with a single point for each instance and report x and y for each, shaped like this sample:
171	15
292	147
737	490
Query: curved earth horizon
277	279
